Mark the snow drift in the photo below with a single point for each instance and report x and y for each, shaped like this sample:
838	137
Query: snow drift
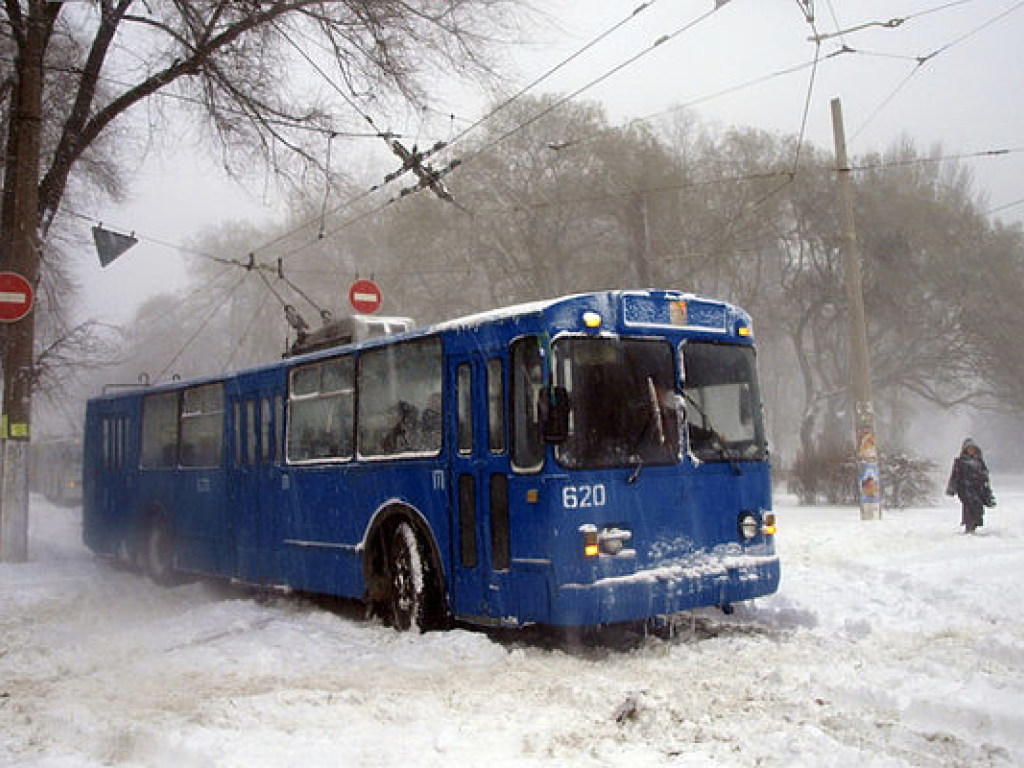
897	642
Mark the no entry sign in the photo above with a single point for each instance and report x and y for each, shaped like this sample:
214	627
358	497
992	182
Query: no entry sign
15	297
365	297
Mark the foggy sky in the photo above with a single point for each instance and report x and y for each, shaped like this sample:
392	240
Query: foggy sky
950	74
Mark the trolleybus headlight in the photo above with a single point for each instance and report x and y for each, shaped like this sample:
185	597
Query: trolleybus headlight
749	526
612	540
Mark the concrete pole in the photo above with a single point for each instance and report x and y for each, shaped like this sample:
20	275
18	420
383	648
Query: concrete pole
868	474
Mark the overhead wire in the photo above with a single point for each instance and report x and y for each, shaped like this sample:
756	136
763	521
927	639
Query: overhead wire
728	91
388	136
557	67
719	4
141	237
810	92
891	23
253	326
796	68
813	65
264	269
185	99
997	18
790	177
216	306
459	136
661	40
937	159
1005	206
920	61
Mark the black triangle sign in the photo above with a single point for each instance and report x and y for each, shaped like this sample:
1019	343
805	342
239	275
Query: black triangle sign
110	245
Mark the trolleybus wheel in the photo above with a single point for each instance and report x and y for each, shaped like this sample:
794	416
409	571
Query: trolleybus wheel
160	553
409	590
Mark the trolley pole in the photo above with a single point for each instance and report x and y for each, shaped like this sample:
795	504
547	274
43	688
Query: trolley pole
868	475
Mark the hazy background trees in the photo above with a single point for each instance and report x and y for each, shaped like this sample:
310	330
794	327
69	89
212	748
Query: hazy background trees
571	203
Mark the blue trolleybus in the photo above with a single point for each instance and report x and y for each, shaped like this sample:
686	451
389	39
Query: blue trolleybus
587	460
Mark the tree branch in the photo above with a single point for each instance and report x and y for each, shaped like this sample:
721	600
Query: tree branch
78	136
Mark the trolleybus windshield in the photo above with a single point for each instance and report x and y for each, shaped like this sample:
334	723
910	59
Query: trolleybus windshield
623	402
723	409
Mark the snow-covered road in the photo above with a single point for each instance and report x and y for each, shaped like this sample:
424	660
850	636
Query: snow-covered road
891	643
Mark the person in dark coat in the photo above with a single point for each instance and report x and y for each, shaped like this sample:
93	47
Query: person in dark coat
969	481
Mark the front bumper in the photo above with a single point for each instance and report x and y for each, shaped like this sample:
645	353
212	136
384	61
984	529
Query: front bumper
646	594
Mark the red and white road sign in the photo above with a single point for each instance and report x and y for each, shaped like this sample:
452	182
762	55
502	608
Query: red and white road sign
365	297
15	297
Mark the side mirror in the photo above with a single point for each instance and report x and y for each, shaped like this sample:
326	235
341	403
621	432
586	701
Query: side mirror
553	414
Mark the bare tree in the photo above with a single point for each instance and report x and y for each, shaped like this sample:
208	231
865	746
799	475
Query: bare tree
229	61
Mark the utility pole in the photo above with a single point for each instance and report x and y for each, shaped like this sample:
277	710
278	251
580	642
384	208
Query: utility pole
643	265
19	253
868	475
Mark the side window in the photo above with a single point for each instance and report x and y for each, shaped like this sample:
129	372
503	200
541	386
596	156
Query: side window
111	442
122	440
526	379
250	432
108	461
467	522
159	431
464	395
400	400
500	555
202	425
239	432
265	445
495	406
320	411
115	433
278	429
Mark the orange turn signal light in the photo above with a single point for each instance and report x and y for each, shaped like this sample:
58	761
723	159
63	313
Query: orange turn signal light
590	546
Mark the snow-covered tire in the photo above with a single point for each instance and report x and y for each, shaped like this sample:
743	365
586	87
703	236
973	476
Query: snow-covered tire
159	553
411	591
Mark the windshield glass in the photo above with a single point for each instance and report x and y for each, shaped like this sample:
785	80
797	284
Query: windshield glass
623	406
723	404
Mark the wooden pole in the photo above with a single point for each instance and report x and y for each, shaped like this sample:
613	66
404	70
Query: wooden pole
868	475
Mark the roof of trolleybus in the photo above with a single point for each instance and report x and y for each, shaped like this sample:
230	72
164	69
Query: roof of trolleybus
619	310
568	313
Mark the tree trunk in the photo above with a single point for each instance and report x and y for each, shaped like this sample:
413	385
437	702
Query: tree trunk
21	255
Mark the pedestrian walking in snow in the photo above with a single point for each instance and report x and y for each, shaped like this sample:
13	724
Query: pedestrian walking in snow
969	481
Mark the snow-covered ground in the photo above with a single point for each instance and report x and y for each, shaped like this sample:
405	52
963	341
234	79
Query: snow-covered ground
898	642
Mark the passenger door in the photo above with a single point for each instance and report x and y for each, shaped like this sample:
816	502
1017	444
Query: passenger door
479	484
257	455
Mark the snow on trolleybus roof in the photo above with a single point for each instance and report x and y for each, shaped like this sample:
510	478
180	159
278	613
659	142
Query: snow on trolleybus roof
623	310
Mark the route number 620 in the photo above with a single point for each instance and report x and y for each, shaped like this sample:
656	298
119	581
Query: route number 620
584	496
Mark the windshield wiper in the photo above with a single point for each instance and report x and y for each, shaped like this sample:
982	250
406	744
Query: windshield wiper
659	422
